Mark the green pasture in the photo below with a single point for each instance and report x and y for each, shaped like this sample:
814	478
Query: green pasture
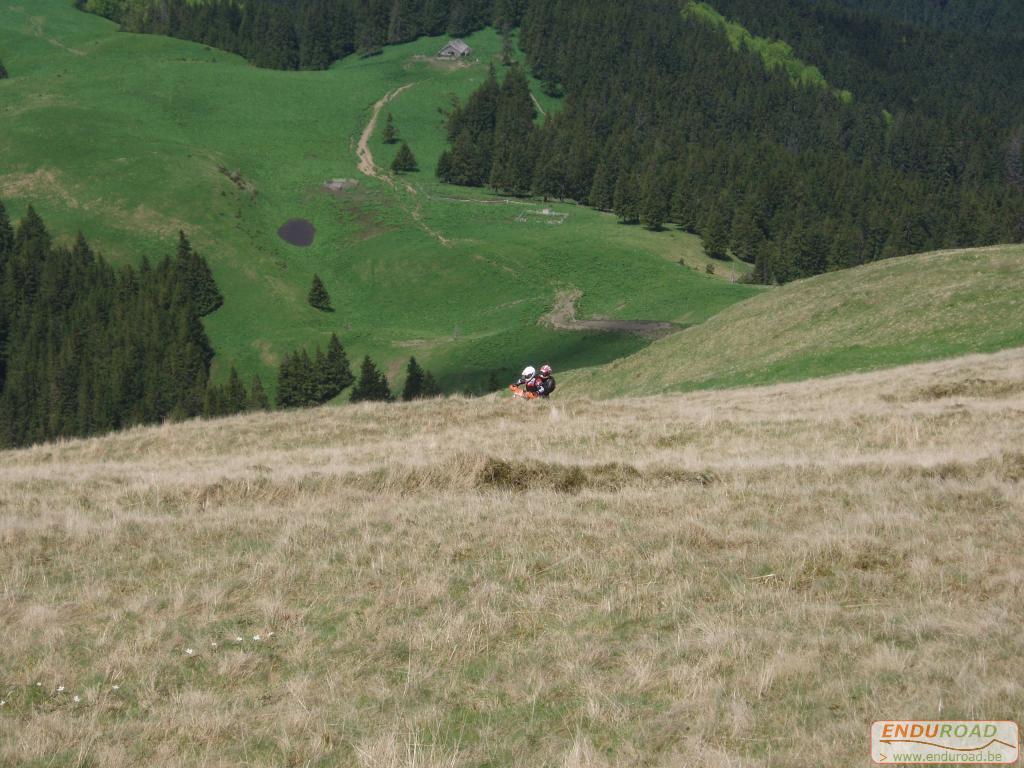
893	312
130	138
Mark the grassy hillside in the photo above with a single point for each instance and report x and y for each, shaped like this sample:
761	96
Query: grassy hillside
888	313
739	578
131	137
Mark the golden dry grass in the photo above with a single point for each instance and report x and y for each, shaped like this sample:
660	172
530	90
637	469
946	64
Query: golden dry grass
742	578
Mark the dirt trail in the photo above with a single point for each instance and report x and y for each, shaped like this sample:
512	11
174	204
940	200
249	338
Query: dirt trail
366	165
539	107
563	317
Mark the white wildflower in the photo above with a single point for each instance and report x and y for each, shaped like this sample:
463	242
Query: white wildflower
2	702
115	687
77	699
39	685
238	639
256	638
213	644
270	634
189	651
60	689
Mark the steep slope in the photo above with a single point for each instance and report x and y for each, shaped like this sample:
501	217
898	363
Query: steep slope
714	579
130	138
898	311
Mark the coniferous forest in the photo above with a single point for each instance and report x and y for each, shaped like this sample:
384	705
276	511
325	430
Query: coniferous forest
86	348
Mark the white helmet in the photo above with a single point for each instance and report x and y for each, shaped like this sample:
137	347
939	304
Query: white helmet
529	372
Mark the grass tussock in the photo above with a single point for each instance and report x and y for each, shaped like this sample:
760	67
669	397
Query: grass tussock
738	578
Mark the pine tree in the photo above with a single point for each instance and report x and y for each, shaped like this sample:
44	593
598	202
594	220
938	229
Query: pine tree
746	237
198	277
626	202
507	52
236	399
372	385
258	400
414	375
716	236
430	387
404	161
318	297
333	371
654	204
390	134
602	191
287	386
3	71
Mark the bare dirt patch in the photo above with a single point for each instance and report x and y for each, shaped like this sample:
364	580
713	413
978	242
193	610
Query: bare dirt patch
43	183
563	317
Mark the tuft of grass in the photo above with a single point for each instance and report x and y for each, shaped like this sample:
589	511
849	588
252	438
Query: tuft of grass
888	313
725	578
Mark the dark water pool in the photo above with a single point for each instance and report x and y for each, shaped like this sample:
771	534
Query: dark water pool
297	232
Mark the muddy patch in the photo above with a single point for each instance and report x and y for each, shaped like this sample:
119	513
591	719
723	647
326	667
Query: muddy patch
563	317
298	232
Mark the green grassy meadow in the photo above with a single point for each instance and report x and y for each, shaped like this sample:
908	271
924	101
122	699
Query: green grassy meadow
130	138
923	307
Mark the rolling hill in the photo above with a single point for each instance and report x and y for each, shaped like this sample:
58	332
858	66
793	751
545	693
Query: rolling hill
130	138
892	312
718	579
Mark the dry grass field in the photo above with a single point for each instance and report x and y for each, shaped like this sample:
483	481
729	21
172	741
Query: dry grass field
735	578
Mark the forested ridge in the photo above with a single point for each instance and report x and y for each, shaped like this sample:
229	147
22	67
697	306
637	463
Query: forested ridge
664	122
305	34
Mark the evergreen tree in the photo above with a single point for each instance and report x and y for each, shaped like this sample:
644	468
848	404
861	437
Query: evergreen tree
716	235
372	384
430	387
507	53
626	201
258	400
414	376
404	161
236	399
196	272
3	71
602	191
746	237
318	297
390	133
656	197
333	371
287	385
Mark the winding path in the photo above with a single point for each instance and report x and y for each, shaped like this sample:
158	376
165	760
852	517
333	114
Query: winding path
366	165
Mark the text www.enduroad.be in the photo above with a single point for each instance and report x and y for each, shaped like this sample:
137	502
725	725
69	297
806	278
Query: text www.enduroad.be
949	757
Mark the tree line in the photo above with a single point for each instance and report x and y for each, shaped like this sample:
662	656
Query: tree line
305	34
86	347
304	380
664	122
